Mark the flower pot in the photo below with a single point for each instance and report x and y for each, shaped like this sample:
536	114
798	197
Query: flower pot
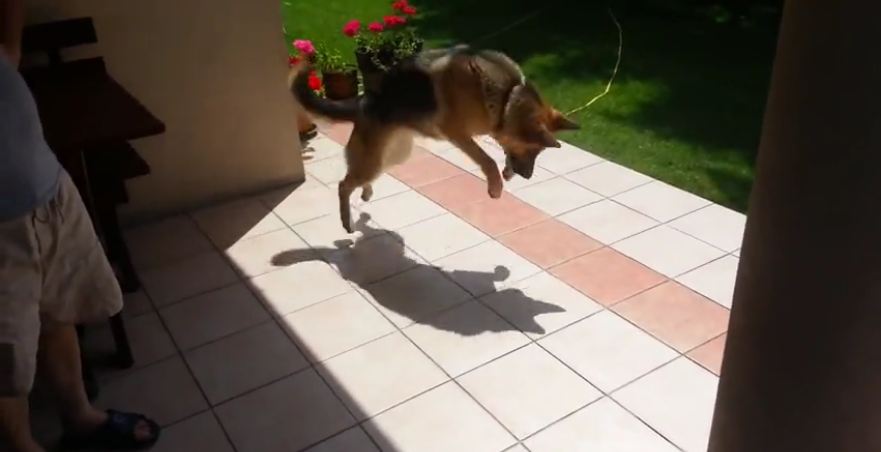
340	85
371	74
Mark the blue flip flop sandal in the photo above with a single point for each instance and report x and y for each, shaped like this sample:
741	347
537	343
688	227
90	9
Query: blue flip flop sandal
117	433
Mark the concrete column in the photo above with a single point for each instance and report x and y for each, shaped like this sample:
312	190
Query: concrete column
802	368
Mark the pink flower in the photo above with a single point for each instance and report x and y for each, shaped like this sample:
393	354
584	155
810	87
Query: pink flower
352	28
375	27
394	21
408	10
305	47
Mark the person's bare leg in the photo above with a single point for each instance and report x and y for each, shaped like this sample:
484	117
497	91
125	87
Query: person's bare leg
15	426
59	361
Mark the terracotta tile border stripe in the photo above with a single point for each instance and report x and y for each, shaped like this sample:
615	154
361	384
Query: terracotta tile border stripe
570	270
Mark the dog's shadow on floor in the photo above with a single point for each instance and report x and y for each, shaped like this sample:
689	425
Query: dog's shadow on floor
521	308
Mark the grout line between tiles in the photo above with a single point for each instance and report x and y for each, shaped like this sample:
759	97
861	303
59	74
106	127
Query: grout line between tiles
180	355
399	329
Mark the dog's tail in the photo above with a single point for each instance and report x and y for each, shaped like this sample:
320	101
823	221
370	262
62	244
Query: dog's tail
338	110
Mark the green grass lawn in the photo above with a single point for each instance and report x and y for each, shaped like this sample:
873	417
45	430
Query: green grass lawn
686	107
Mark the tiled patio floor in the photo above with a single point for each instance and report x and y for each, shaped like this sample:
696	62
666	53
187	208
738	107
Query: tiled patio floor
584	311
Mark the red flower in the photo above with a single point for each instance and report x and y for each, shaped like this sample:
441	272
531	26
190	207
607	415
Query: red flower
408	10
399	5
293	60
314	81
352	28
394	21
375	27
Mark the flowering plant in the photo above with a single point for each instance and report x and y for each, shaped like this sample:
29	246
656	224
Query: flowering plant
331	60
306	51
389	41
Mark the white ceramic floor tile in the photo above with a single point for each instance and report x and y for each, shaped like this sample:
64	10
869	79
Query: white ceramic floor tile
337	325
716	225
677	400
539	175
603	426
528	390
455	156
291	414
608	179
379	375
434	146
541	304
714	280
465	337
185	278
487	268
557	196
147	337
258	255
165	242
352	440
298	286
661	201
304	204
401	210
607	350
212	315
165	390
201	432
441	236
327	236
374	259
244	361
383	187
566	159
414	295
607	221
136	304
668	251
238	220
442	420
321	148
328	171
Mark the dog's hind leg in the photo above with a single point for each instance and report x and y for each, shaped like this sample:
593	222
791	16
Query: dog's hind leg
346	187
366	192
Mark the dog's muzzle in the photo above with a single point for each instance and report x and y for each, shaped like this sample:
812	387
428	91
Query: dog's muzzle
522	167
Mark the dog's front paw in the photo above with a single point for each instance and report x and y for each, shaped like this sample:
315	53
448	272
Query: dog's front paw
495	188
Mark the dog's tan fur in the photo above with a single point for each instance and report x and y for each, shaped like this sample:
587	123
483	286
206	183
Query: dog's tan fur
476	93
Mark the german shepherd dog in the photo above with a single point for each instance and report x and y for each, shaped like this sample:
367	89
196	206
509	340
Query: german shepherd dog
453	94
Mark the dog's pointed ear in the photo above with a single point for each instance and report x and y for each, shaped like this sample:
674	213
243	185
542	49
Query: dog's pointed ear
561	122
546	138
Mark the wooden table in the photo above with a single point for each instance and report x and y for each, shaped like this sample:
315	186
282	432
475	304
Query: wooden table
85	112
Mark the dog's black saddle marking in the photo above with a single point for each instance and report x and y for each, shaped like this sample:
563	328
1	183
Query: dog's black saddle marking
405	95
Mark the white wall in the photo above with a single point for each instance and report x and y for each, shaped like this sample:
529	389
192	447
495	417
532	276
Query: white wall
215	72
